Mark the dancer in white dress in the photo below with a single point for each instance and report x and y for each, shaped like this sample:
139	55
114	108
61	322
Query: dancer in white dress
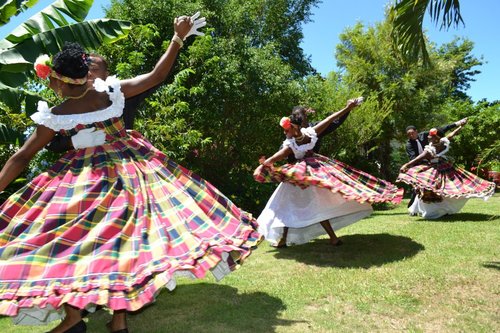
442	189
317	195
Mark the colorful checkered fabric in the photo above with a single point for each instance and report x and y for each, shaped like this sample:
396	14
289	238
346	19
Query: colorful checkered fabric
334	175
110	225
446	180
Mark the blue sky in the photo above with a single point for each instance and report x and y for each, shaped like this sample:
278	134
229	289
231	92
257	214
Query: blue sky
333	16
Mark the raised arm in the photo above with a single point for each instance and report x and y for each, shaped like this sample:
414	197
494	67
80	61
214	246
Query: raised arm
184	26
455	131
448	127
17	162
323	125
423	156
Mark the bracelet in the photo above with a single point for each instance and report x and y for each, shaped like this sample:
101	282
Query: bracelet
178	40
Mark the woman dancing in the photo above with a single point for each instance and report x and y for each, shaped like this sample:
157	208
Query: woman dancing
113	224
441	188
317	195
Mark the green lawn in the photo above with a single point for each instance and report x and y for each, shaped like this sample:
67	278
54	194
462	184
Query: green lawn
393	273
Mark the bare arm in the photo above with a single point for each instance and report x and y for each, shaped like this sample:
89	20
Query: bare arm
141	83
423	156
455	131
322	125
278	156
17	162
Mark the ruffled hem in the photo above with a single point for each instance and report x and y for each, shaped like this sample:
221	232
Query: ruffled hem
220	262
42	310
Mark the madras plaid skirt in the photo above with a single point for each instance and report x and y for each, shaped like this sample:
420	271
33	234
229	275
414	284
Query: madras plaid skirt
111	225
448	181
318	170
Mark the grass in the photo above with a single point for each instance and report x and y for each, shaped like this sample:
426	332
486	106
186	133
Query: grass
393	273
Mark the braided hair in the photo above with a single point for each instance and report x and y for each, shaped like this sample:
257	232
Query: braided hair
72	61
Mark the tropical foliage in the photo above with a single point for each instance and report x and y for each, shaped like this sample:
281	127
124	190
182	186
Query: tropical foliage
407	17
45	32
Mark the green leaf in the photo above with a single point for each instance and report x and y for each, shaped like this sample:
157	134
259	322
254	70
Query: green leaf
10	136
11	8
90	34
45	19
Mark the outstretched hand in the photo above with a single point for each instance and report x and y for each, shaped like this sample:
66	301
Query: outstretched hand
197	22
182	26
462	122
352	103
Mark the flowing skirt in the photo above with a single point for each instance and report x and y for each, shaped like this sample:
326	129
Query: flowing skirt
318	189
111	225
447	181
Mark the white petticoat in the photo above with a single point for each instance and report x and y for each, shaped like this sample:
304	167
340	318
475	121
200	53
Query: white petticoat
435	210
301	210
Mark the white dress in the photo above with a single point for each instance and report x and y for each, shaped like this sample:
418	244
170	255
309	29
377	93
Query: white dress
302	210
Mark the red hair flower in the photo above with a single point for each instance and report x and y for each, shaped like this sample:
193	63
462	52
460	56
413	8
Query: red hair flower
285	123
433	132
43	66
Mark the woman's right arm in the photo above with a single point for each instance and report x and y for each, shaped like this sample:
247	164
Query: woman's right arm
423	156
455	131
18	162
141	83
322	125
278	156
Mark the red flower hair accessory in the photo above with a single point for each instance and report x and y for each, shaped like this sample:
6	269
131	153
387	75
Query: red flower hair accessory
433	132
285	123
43	66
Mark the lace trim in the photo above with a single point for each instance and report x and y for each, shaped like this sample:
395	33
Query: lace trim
111	86
300	150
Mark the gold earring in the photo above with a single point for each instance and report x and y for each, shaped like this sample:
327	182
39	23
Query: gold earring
59	92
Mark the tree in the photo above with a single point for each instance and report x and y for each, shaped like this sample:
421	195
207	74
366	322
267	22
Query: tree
407	17
222	110
417	92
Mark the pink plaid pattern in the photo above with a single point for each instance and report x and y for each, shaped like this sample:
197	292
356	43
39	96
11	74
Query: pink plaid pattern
336	176
111	225
447	181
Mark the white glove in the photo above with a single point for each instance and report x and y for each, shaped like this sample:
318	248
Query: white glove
88	137
196	24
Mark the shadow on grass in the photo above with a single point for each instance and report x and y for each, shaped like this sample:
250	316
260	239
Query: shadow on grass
465	217
492	265
203	307
358	251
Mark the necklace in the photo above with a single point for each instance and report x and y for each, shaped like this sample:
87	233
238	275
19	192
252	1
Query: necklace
299	139
79	96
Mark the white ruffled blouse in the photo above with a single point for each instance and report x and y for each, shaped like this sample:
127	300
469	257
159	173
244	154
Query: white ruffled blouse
111	86
435	155
300	151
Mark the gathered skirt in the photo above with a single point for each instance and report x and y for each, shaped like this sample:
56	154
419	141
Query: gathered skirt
111	225
318	189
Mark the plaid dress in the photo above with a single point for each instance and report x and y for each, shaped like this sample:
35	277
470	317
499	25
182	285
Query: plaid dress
113	224
316	189
445	180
